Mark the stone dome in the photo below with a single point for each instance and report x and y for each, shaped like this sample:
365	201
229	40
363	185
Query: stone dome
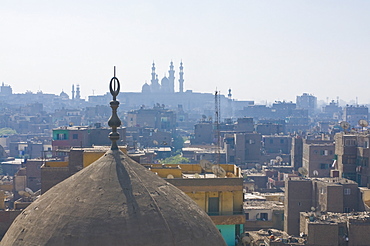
165	81
114	201
165	84
64	95
145	88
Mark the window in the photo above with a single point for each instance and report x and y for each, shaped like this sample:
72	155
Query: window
347	210
281	141
271	141
75	136
264	216
246	216
350	142
347	191
61	136
213	206
324	166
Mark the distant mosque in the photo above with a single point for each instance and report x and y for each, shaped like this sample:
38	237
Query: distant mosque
167	84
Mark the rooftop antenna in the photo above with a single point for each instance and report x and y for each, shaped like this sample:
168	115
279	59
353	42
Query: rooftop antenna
114	121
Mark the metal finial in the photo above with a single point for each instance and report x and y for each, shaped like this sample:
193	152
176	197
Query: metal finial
114	121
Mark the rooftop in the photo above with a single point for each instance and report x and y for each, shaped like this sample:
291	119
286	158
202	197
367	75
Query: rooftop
330	217
257	205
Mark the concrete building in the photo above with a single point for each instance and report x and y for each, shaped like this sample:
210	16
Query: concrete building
308	102
243	148
352	151
336	228
296	153
320	194
157	117
83	136
279	144
270	128
263	215
352	114
318	158
203	133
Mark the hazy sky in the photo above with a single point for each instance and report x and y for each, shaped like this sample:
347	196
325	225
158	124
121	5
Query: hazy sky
262	50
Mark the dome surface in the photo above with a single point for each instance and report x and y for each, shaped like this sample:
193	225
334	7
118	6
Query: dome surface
114	201
165	81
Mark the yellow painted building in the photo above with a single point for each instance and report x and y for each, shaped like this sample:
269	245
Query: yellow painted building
221	198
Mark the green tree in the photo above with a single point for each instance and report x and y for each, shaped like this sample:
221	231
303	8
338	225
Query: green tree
177	159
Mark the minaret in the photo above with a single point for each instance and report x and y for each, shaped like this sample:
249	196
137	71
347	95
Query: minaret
171	78
73	92
230	104
78	96
153	73
154	81
181	80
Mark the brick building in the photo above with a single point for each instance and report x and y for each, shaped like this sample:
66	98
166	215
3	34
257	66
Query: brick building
336	228
352	153
319	194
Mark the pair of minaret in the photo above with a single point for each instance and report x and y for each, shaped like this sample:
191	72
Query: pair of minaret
78	95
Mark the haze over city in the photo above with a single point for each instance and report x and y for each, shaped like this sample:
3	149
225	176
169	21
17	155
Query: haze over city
262	50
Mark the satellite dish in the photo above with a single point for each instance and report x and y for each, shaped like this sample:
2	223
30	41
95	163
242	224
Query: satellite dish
29	191
170	176
218	171
344	125
197	176
363	123
313	209
24	193
206	165
315	173
302	171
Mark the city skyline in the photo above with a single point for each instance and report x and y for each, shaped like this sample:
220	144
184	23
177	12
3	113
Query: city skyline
291	47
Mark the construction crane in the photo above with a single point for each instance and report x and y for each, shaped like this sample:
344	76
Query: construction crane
217	125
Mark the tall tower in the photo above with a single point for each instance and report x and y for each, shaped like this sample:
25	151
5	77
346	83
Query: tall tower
78	96
154	81
171	78
230	104
181	80
153	73
73	92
